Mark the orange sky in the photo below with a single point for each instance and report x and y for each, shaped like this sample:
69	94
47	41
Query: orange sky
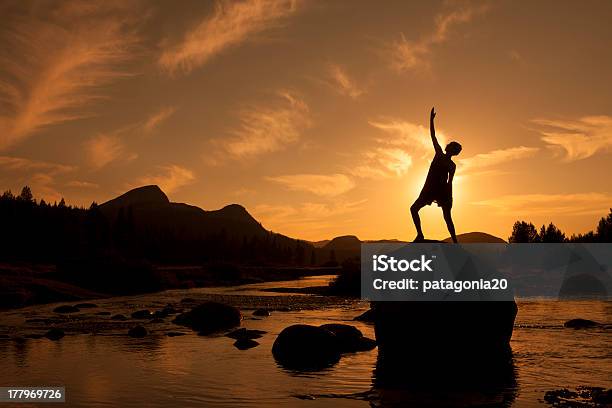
313	115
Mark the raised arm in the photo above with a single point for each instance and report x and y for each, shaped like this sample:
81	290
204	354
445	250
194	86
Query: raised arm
432	130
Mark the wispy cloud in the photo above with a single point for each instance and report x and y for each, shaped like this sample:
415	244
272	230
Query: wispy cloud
170	178
17	164
106	148
323	185
159	117
310	220
409	55
383	162
230	24
393	154
550	204
81	184
103	149
406	134
340	81
578	139
496	157
267	129
54	59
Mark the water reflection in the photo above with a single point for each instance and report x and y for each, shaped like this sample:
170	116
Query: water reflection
427	381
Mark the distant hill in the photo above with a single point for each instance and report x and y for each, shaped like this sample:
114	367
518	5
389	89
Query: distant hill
320	244
149	207
185	230
345	242
477	237
159	223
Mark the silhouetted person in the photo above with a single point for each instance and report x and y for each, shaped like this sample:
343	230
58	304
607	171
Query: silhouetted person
439	183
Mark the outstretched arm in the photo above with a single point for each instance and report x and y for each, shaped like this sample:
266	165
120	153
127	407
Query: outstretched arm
432	130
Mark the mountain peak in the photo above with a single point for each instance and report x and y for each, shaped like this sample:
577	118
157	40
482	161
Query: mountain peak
234	209
151	194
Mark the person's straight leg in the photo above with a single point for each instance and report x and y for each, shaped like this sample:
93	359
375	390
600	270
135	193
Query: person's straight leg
414	210
449	222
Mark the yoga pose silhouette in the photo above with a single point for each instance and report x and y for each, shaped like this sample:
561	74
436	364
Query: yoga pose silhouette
439	183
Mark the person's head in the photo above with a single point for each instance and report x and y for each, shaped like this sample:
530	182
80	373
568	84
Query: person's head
453	149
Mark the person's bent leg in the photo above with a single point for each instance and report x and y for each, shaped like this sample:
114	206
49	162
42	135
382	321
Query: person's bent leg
449	222
414	211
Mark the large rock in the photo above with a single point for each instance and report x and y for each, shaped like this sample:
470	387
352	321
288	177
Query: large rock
472	330
210	317
306	347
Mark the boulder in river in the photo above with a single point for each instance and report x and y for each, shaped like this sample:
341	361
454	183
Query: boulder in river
306	347
119	317
138	332
54	334
480	329
66	309
210	317
581	324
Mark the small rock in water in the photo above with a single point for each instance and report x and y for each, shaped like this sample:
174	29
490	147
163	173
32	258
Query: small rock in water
245	344
261	312
138	332
103	313
580	324
86	305
119	317
141	314
210	317
55	334
244	333
66	309
175	334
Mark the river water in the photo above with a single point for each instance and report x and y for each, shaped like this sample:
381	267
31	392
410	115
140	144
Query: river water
101	366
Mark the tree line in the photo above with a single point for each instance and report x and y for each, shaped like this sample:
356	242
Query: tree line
526	232
37	231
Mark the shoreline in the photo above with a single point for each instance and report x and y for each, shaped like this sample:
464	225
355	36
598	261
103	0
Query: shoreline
27	284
